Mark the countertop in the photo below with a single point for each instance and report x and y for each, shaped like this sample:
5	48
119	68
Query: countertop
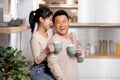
104	56
95	25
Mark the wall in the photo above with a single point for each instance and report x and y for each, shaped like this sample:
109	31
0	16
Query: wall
93	35
24	8
6	6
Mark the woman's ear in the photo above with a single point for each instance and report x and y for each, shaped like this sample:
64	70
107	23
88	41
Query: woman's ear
41	19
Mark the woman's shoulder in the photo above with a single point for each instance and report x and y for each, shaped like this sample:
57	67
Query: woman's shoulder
35	35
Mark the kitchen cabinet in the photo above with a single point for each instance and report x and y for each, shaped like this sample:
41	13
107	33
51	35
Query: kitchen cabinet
99	69
98	11
63	6
70	8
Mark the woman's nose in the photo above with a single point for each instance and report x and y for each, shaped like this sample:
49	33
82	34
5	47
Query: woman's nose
51	23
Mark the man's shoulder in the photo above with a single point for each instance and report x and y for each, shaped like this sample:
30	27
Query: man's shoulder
56	37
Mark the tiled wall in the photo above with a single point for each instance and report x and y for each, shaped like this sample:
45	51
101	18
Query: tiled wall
93	35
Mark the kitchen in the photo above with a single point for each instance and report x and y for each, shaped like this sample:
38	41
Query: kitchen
96	20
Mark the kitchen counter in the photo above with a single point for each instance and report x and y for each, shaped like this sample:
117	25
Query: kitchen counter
95	25
99	69
13	29
105	56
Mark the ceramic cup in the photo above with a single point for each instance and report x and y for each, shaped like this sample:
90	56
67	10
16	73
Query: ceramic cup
57	46
71	49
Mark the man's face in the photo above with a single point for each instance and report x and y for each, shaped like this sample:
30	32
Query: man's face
61	24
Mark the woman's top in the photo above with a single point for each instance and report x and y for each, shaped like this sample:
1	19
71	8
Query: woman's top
38	44
62	65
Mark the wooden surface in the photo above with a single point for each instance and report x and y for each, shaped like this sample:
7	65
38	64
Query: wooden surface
106	56
113	25
13	29
63	6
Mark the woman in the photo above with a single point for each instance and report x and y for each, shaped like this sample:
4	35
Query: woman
43	17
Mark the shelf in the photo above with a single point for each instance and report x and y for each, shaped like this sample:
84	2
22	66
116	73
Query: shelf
95	24
107	56
13	29
63	6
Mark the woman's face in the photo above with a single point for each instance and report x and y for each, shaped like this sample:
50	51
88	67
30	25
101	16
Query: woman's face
47	23
61	24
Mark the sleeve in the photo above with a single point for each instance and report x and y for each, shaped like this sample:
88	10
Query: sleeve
37	51
80	58
54	67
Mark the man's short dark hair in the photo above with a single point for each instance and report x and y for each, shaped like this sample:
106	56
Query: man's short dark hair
58	13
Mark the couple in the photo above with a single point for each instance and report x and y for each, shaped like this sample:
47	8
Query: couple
47	65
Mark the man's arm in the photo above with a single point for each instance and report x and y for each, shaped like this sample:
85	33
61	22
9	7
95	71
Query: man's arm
80	58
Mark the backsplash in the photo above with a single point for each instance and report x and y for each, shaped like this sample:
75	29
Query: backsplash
93	35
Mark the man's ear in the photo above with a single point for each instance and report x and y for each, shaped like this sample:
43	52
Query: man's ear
54	25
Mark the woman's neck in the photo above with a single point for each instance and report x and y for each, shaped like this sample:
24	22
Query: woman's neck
42	31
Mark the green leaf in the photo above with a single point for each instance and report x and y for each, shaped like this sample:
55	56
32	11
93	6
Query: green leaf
12	63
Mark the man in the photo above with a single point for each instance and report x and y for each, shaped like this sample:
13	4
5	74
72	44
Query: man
62	65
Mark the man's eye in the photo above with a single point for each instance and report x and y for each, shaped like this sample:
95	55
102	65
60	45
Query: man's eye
58	22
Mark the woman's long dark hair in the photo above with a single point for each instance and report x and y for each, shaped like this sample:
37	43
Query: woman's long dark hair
34	16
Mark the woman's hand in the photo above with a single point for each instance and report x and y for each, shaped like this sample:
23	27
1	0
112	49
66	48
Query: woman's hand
73	37
49	48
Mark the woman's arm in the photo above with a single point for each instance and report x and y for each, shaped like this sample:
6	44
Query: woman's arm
39	54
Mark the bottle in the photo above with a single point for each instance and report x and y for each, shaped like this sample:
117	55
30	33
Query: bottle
108	45
101	47
92	49
87	51
105	46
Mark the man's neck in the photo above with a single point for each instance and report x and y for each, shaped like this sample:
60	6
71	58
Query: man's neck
64	36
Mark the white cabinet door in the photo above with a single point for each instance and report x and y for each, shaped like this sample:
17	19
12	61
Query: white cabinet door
98	11
93	68
99	69
113	69
96	79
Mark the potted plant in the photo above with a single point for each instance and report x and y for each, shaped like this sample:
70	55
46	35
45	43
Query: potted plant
12	64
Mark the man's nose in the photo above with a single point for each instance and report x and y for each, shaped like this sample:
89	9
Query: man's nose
61	24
